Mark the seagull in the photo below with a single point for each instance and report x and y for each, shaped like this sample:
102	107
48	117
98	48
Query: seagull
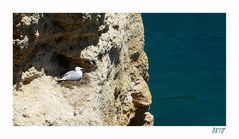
72	75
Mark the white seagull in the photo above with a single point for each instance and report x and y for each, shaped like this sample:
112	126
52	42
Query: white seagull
73	75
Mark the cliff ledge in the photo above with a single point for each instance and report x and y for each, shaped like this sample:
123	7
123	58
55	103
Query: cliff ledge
110	48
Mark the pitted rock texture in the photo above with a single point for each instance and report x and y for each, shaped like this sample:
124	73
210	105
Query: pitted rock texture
110	48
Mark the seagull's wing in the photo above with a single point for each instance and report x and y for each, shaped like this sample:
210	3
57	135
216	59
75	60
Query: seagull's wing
66	74
71	75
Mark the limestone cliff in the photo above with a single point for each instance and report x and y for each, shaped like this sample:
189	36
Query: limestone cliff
110	48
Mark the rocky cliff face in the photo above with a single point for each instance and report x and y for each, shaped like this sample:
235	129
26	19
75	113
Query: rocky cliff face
110	48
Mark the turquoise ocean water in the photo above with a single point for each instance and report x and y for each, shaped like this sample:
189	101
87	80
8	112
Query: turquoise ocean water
187	68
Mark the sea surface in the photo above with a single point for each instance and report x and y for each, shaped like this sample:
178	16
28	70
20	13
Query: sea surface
187	68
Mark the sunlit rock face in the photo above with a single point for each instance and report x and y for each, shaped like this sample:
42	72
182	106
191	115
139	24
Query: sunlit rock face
110	48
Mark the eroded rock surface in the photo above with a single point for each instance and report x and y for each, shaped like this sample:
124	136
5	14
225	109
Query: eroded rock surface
110	48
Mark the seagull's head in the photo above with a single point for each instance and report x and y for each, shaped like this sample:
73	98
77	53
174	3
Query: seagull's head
78	68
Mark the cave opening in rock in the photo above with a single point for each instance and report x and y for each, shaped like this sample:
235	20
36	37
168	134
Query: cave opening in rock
62	60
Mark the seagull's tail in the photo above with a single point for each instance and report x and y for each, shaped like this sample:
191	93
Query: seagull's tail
60	80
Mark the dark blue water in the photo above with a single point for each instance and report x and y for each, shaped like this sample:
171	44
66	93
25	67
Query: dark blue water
187	68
